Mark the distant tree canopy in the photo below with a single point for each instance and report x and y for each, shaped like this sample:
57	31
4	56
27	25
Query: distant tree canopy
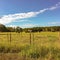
10	29
2	28
40	29
18	29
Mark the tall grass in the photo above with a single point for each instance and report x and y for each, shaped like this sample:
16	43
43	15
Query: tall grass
46	46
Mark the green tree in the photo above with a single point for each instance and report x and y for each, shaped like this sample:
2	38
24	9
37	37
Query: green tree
18	29
3	28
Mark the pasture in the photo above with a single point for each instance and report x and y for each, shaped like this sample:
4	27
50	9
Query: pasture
30	46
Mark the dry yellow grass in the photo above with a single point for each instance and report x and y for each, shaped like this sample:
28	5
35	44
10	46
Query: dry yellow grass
44	46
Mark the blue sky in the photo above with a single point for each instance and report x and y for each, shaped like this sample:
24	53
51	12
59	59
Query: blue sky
30	13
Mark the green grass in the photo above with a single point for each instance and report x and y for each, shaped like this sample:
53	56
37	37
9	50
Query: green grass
44	46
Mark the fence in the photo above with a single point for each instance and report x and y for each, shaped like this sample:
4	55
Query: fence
16	37
29	38
43	44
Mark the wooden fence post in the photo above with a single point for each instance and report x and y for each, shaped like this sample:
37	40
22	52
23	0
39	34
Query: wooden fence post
33	38
10	37
59	35
30	36
7	37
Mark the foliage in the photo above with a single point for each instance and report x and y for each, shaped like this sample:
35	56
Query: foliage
46	46
2	28
18	29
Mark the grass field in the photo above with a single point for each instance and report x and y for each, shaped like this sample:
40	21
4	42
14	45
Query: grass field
30	46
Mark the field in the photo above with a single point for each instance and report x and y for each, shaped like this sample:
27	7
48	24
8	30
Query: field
30	46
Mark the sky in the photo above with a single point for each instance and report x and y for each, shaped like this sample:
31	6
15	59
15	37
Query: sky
30	13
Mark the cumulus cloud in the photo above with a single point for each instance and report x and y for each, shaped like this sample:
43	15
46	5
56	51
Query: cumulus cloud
27	25
18	21
6	19
13	25
54	23
12	17
55	7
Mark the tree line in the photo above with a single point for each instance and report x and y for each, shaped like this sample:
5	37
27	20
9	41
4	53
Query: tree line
18	29
3	28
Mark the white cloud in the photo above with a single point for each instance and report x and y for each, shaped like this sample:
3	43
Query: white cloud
18	21
10	18
41	11
27	25
55	7
6	19
11	25
54	23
